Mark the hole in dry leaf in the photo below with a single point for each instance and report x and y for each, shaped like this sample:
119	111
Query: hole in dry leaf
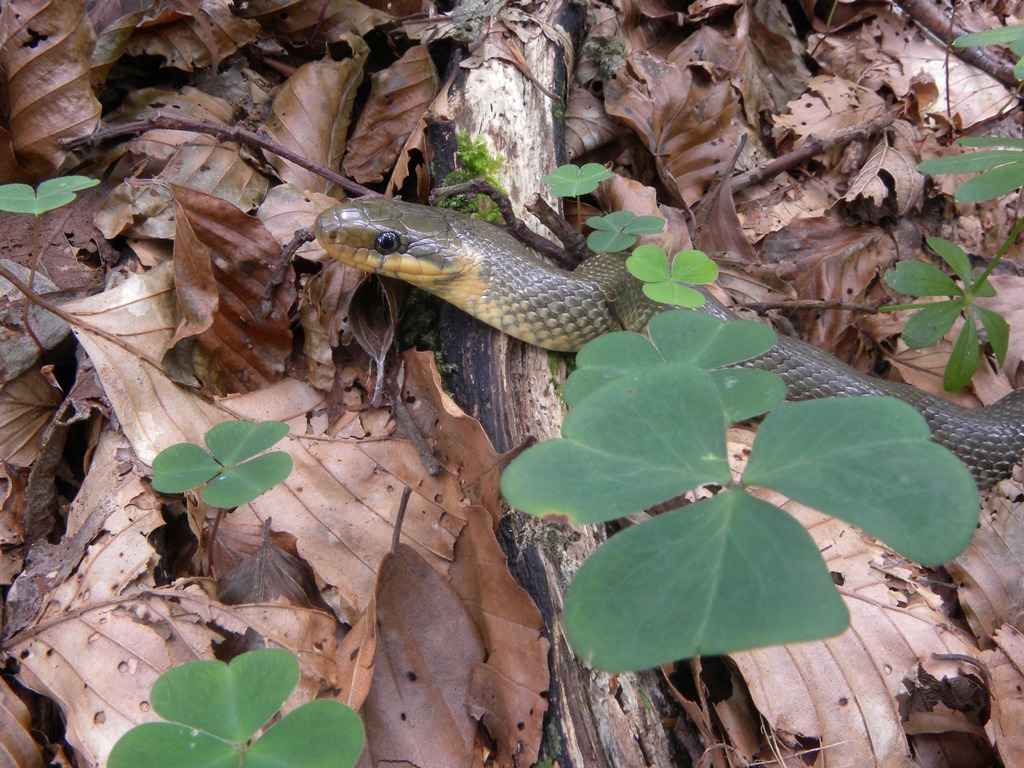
34	39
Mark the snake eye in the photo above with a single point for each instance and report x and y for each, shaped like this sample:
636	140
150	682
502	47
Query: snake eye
386	242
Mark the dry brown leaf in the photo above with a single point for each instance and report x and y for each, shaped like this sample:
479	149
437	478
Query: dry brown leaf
587	125
830	104
223	260
1006	671
105	633
271	573
691	129
355	658
302	21
990	571
27	405
427	648
890	51
507	691
774	70
341	498
399	98
311	115
44	55
149	152
286	209
718	230
889	179
771	205
842	694
17	747
144	208
829	260
202	33
114	24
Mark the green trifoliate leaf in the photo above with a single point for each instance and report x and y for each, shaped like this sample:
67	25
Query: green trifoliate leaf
871	462
726	574
51	194
245	482
230	701
573	181
635	441
233	441
182	467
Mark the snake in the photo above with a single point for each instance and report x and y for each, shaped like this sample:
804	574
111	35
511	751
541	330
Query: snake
488	273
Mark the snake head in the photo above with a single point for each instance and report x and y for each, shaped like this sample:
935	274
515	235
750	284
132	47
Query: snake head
391	238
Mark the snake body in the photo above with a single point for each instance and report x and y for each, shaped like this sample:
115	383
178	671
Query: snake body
495	278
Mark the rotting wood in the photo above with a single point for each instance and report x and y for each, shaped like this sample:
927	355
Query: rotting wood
595	720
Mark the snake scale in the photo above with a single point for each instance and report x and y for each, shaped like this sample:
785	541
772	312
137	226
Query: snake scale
492	276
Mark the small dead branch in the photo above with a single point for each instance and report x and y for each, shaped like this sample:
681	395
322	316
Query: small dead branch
932	18
813	146
224	133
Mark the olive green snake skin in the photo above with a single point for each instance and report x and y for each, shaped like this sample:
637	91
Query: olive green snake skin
492	276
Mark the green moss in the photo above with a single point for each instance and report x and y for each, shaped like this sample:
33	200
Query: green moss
474	161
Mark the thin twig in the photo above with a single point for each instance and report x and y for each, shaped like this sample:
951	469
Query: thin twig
513	224
764	306
224	133
70	319
813	146
400	518
300	238
932	18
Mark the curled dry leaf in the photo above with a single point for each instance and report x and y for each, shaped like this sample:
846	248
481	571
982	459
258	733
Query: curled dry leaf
508	689
301	22
311	115
44	55
773	57
691	129
991	569
16	743
222	261
201	34
889	180
587	125
1005	666
427	649
203	163
398	100
27	405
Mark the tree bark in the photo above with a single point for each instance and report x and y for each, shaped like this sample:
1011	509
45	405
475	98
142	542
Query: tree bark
595	720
